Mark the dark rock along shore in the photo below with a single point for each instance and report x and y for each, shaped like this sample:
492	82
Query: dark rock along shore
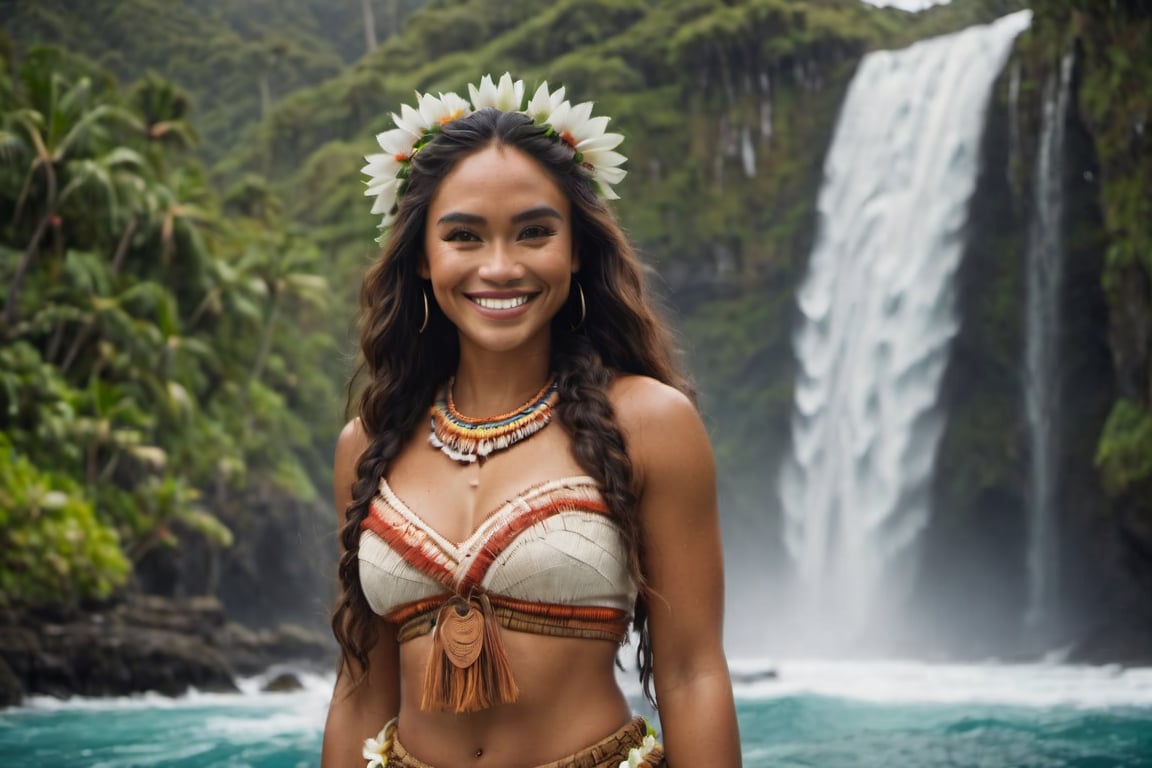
145	643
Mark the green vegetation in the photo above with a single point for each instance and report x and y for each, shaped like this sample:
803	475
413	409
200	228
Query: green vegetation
1125	453
1116	68
237	57
163	362
55	547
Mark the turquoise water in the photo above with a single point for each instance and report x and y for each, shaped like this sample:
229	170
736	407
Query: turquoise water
818	714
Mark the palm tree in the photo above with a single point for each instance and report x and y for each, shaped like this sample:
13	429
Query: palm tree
275	269
163	109
62	136
288	272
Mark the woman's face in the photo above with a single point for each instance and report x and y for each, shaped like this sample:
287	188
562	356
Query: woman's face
498	251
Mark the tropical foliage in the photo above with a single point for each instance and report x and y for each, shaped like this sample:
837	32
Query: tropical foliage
162	357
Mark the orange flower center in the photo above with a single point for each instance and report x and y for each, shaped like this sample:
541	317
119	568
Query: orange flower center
568	139
449	118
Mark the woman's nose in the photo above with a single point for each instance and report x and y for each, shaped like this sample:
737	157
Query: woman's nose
501	265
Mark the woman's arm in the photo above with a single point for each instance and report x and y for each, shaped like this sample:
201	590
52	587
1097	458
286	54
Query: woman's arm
358	711
683	563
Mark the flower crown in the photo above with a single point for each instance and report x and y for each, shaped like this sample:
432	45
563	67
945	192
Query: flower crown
574	125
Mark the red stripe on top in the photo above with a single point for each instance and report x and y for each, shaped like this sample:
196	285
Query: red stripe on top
408	540
503	536
403	532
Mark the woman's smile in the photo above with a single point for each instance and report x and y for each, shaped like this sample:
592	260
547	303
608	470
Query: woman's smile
500	303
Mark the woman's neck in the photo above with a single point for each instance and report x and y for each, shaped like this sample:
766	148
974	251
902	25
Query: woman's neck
489	384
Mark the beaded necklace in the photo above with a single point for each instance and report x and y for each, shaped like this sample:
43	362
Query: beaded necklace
465	439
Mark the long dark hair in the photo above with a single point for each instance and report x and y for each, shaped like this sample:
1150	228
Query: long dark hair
620	334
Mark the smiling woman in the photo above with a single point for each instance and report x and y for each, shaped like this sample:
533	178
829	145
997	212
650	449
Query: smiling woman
488	581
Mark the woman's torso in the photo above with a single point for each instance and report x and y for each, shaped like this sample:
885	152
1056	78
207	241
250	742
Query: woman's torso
568	694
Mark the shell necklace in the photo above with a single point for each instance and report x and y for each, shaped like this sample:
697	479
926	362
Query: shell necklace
465	439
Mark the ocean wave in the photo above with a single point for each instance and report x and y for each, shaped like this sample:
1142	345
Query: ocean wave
314	687
900	682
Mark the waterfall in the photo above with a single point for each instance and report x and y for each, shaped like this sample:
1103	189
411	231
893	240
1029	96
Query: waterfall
1043	281
747	153
877	318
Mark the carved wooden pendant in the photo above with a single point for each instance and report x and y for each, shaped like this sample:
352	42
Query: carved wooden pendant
461	630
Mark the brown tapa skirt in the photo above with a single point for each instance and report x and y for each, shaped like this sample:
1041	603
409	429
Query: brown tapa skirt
607	753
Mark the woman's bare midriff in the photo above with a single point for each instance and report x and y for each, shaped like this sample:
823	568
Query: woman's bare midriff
569	699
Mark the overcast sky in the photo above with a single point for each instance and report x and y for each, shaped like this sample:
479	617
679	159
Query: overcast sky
908	5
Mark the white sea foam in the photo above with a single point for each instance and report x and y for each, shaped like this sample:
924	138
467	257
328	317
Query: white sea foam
316	688
907	5
889	682
908	682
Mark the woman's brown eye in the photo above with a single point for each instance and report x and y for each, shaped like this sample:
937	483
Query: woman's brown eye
462	236
532	233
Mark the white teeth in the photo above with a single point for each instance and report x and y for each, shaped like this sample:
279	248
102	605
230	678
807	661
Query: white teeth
512	303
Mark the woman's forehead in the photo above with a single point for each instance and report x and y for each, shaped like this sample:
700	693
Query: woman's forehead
497	182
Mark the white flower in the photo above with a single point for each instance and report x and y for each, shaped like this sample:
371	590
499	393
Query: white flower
506	97
543	104
376	750
443	109
410	120
604	162
383	183
383	169
593	146
412	125
636	755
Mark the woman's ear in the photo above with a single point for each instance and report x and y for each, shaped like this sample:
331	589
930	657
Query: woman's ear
422	268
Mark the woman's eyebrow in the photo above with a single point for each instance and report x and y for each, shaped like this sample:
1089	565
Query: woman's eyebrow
457	217
542	211
539	212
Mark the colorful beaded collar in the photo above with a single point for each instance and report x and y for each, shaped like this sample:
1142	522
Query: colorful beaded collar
466	439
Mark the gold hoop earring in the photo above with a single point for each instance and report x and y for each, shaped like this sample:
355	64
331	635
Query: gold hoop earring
424	324
583	309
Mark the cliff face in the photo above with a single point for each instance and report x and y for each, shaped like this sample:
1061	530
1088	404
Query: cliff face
1107	470
1116	110
973	548
981	537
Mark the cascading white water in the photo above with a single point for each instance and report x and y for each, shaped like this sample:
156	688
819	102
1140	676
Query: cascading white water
878	318
1043	281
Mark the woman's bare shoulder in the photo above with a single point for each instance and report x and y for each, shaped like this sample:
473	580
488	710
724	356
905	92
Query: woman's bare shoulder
350	446
351	443
666	439
660	423
639	400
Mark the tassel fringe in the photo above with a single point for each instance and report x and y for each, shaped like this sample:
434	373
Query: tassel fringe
468	669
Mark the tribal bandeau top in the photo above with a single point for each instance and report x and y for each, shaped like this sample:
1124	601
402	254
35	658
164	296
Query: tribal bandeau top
550	560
